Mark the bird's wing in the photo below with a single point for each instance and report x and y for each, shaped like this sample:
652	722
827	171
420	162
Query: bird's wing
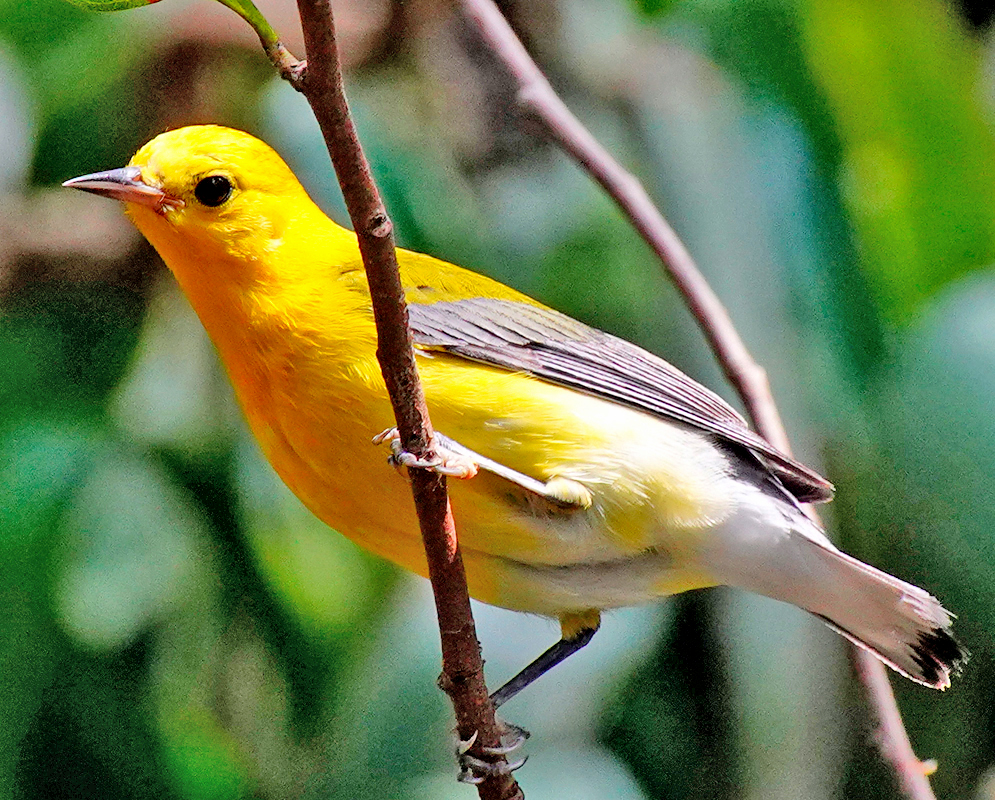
558	349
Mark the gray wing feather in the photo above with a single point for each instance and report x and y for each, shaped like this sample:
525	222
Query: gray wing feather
557	348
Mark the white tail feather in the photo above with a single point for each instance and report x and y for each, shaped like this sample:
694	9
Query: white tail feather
901	624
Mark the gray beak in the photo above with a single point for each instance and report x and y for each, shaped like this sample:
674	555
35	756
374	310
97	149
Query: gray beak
125	184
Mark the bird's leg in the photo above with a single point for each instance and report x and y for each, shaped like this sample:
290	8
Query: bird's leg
577	631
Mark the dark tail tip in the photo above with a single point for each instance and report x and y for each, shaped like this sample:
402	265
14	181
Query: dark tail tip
939	655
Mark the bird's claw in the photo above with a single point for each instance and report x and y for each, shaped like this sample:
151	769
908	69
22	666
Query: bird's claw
452	465
463	745
465	776
474	770
512	737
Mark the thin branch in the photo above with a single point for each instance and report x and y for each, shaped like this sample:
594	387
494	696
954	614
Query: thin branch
893	741
320	81
538	99
290	68
280	57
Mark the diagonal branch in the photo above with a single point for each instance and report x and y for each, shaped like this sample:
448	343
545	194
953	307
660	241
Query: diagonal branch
320	81
538	99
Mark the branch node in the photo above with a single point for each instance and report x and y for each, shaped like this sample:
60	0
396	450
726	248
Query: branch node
295	74
445	683
380	225
529	98
290	68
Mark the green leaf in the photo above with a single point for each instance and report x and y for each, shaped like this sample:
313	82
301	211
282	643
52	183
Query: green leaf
654	8
111	5
203	760
244	8
902	81
38	466
296	552
247	11
62	346
130	551
174	395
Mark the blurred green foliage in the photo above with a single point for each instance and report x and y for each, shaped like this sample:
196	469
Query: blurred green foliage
177	626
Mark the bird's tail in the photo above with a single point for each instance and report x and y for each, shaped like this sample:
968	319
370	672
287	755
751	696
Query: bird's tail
903	625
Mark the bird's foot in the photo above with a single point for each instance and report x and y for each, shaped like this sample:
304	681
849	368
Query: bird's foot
474	769
446	462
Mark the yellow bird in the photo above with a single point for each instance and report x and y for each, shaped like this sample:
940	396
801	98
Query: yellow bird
605	476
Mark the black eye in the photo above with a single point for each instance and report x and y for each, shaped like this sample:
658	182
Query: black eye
213	190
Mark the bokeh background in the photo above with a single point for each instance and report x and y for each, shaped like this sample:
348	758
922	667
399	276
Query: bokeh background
174	625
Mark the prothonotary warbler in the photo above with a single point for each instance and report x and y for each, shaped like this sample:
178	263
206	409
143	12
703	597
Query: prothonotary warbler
605	477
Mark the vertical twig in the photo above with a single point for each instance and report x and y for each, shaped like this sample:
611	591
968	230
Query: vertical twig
320	81
538	99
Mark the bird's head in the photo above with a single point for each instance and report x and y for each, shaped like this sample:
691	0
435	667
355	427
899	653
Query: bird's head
207	191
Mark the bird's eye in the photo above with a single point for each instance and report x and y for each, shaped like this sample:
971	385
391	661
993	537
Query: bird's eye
213	190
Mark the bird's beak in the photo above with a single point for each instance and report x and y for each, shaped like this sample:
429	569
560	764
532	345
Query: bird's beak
125	184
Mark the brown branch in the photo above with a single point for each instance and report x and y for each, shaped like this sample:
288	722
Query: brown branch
893	741
290	68
538	98
320	81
